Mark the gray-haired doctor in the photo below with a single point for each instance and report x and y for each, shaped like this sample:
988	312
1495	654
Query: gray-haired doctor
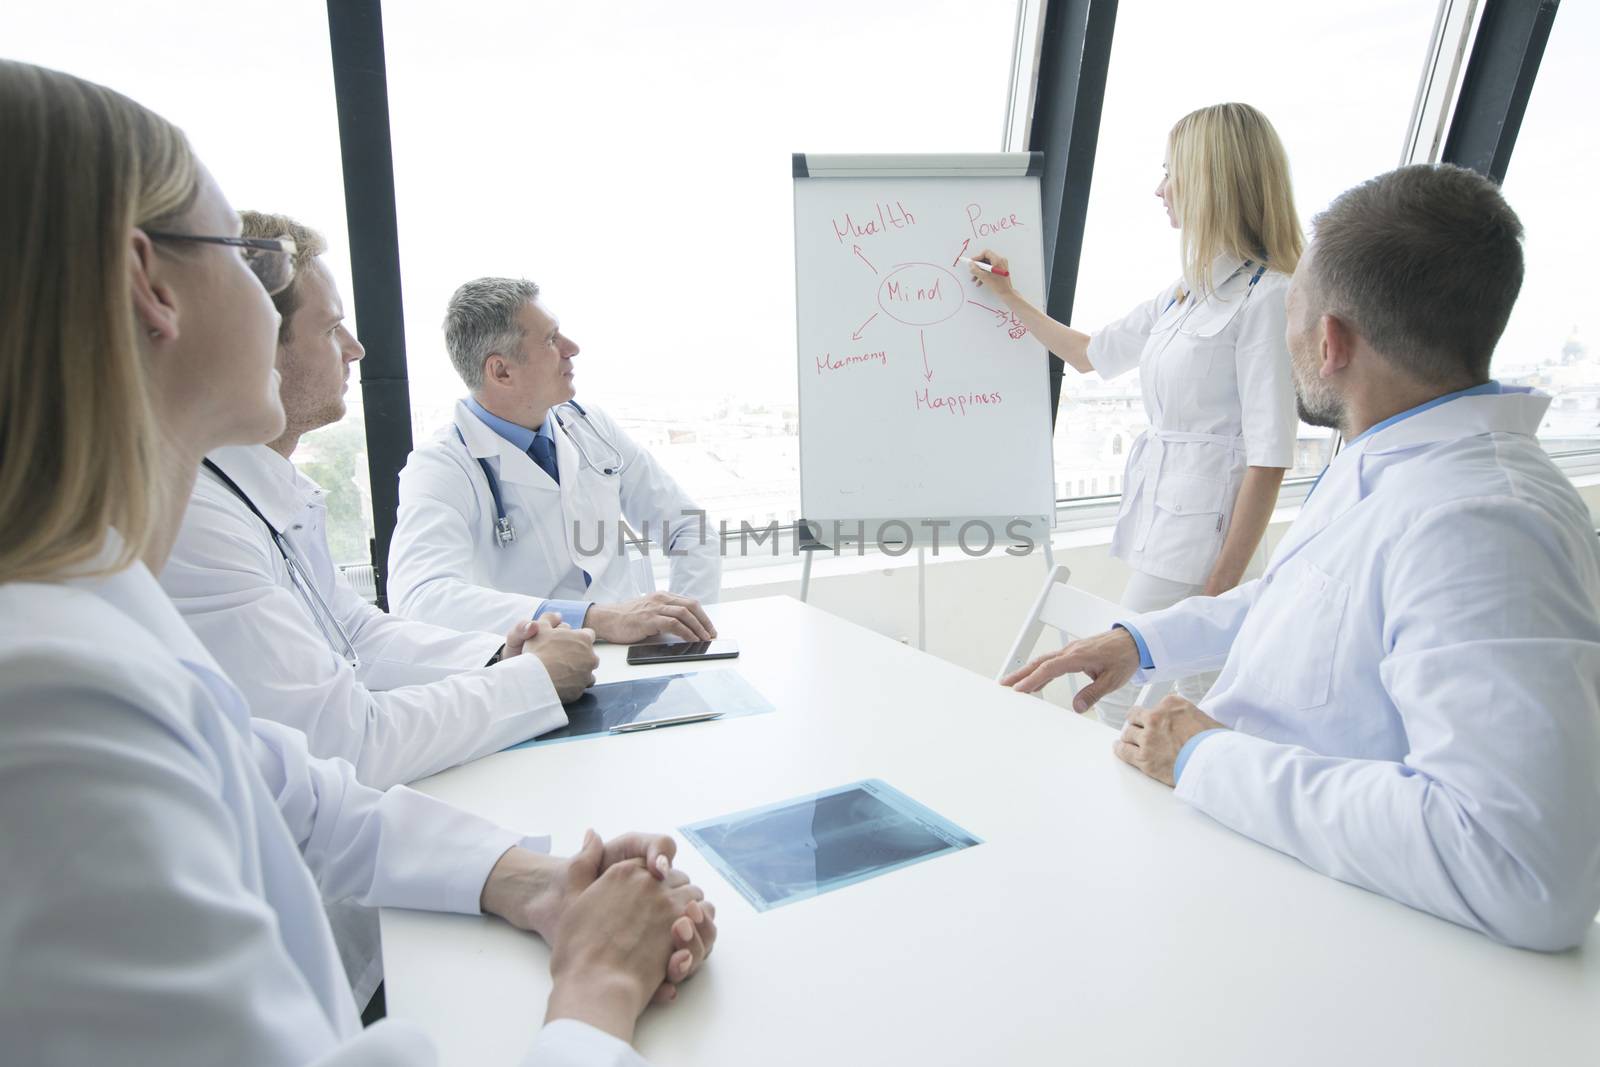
516	509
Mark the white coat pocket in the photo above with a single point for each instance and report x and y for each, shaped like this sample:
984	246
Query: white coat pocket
1304	668
1190	494
643	569
1190	519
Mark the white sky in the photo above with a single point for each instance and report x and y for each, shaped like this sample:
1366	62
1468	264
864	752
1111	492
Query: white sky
633	156
634	159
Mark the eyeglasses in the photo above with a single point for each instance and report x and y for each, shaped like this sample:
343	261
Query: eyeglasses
270	258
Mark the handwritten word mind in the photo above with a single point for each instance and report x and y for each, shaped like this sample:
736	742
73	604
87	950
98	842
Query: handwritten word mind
920	294
884	217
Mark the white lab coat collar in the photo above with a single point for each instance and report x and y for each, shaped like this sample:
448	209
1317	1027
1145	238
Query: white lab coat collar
515	465
1342	486
1225	276
271	482
1513	410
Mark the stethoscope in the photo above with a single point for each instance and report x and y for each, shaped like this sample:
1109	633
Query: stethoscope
506	534
1256	277
321	614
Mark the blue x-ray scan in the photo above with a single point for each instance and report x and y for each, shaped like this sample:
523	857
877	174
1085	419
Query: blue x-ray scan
796	849
638	699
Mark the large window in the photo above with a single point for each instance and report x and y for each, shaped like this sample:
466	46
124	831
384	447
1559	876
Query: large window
1553	339
1338	82
633	159
258	107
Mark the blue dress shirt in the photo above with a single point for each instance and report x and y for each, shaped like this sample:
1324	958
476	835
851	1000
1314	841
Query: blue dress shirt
572	612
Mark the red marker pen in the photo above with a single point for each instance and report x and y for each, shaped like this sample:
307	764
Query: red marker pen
984	266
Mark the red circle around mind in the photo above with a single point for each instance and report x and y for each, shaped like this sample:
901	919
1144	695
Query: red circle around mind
906	312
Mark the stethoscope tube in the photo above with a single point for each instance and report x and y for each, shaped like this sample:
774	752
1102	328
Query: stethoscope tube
612	471
321	614
506	534
1256	277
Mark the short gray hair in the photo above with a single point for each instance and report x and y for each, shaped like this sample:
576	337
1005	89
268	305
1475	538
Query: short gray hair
482	320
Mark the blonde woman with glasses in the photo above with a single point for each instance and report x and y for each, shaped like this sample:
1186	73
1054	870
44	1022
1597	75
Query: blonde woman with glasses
164	857
1200	484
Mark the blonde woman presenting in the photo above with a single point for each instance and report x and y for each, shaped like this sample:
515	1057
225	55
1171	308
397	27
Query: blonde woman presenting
1201	482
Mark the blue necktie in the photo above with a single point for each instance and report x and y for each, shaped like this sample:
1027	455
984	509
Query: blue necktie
543	451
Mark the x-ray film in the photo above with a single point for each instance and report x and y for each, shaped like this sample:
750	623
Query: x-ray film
796	849
639	699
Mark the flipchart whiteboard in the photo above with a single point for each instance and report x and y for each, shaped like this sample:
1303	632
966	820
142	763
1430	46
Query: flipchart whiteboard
922	400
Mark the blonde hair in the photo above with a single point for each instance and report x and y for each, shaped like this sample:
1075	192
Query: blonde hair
1228	177
82	167
309	244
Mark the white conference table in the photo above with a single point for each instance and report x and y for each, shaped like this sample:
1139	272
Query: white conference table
1101	921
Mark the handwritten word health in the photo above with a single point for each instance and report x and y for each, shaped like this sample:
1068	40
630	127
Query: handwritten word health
890	217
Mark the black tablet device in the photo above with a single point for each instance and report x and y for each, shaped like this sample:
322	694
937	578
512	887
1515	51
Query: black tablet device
682	651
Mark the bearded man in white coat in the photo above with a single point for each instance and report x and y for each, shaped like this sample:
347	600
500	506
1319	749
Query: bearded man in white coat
1410	695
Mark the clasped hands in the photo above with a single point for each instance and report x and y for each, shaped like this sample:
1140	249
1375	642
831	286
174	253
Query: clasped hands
625	927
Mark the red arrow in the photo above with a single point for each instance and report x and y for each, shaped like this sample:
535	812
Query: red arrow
927	372
986	307
857	250
857	335
961	253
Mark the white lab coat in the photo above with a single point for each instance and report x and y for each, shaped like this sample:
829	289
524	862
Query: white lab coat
446	567
1215	375
1414	683
166	856
422	699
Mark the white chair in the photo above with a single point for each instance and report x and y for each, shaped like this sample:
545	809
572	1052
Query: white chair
1074	613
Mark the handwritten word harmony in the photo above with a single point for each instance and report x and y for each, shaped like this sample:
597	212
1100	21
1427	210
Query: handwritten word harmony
983	228
955	403
888	217
827	362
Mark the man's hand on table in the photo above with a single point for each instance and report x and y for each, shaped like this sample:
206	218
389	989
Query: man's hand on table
1154	736
1110	659
650	616
567	654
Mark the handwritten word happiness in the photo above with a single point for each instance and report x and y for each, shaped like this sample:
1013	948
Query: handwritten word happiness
889	217
955	403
